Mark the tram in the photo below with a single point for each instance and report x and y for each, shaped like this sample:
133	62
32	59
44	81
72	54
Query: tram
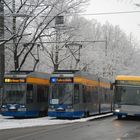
25	94
127	96
76	94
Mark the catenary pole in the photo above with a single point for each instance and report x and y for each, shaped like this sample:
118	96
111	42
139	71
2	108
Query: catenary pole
2	59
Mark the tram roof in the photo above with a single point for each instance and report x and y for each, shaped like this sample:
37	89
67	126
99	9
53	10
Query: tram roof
39	75
17	74
86	75
24	74
128	78
91	76
83	74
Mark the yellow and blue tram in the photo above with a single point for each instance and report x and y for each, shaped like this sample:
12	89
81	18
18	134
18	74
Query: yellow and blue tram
76	94
25	94
127	96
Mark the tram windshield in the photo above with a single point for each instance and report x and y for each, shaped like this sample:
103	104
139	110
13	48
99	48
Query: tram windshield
127	95
62	93
14	94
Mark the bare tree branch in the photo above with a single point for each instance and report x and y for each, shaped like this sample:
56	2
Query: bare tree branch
22	4
7	6
7	40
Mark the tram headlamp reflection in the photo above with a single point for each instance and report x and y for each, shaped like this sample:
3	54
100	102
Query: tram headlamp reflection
22	106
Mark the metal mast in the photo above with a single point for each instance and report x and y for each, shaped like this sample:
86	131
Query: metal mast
2	60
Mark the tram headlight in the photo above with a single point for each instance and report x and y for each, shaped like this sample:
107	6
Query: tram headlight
51	108
3	106
117	110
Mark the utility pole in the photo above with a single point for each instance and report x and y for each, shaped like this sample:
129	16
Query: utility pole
2	60
56	65
59	23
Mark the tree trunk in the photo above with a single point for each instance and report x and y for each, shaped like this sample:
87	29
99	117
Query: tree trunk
16	62
56	66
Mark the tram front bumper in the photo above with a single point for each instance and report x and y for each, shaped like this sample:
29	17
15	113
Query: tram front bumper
59	114
20	113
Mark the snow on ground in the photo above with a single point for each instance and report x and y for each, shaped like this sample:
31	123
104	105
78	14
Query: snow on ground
9	122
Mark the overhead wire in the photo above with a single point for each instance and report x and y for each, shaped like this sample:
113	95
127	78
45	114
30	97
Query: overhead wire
109	13
83	14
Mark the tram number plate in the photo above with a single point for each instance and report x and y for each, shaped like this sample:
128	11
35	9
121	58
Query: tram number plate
54	101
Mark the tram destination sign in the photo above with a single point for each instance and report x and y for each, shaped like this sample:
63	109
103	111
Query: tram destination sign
61	80
14	80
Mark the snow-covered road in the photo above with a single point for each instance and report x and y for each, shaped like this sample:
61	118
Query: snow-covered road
8	122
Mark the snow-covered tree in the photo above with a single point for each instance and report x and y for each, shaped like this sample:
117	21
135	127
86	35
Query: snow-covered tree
31	20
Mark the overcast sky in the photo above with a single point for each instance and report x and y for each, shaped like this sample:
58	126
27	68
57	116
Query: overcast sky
127	22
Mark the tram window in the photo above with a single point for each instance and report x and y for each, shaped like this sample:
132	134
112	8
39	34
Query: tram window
90	94
29	87
105	95
41	94
102	95
76	93
95	94
84	94
29	93
87	94
106	98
